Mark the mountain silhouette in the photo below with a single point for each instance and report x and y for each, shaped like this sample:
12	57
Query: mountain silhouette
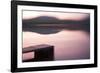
41	20
47	20
47	24
44	18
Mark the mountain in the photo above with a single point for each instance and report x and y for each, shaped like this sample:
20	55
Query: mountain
47	24
46	20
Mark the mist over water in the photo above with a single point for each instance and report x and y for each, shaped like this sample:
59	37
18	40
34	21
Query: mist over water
68	44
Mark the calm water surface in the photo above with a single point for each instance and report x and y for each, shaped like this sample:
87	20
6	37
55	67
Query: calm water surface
69	44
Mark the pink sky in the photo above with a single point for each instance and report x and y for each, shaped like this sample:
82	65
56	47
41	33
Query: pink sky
72	16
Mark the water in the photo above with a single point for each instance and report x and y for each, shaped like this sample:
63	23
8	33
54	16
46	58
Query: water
69	44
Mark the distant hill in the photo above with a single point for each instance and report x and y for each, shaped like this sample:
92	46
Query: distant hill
53	22
46	20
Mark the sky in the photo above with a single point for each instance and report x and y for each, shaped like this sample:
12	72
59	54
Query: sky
59	15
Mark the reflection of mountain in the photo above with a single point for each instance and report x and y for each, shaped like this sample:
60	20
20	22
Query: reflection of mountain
46	24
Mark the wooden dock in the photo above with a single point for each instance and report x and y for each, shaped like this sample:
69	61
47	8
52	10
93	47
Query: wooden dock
42	52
